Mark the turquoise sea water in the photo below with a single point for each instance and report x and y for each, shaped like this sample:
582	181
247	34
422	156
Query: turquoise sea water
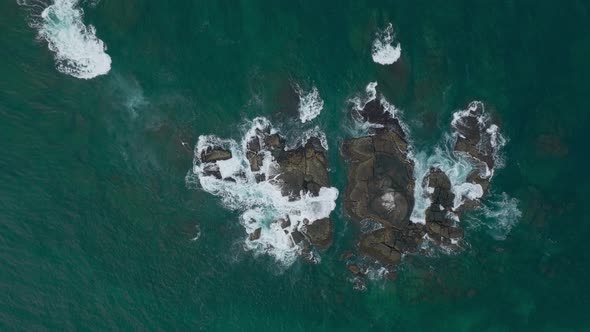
96	218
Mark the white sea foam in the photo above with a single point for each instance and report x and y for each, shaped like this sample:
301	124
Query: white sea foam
359	102
501	213
261	203
388	200
383	50
302	138
310	104
457	166
78	51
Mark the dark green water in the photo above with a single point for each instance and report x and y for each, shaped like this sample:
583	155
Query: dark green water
96	217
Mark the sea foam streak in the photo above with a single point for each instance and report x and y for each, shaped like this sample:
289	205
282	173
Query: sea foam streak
78	51
260	202
310	104
383	50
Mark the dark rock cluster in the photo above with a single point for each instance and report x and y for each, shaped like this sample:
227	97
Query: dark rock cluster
381	184
299	171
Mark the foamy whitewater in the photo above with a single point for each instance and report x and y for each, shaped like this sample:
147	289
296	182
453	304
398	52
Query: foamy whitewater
457	166
383	50
78	51
310	104
261	203
498	214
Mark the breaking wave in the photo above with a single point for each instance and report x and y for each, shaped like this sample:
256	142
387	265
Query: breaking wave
310	104
360	127
458	166
257	194
78	51
383	50
454	165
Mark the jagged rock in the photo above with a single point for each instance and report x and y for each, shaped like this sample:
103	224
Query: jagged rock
442	195
440	225
274	142
474	135
260	177
254	144
212	155
285	223
297	236
255	160
380	178
212	170
319	233
303	169
379	245
387	244
255	235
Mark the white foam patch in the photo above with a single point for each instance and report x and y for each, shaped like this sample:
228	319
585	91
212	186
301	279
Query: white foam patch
388	200
261	203
78	51
501	214
359	103
302	139
456	166
310	104
384	51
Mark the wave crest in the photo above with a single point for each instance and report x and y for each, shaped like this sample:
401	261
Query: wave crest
383	50
78	51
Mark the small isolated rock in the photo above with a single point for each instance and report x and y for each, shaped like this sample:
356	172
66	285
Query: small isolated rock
346	255
255	235
285	223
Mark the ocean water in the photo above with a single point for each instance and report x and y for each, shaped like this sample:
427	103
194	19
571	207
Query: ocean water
102	103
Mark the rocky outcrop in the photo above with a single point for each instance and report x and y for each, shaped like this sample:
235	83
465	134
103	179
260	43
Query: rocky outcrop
381	186
440	222
299	171
303	170
212	155
381	182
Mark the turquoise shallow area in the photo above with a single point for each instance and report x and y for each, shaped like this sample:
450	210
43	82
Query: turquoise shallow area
96	217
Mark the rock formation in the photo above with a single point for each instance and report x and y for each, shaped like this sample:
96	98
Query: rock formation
264	167
381	182
381	186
